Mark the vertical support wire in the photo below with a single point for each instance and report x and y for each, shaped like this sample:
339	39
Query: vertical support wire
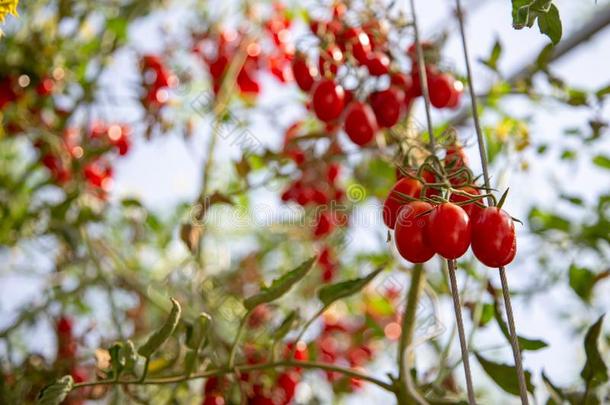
484	164
423	79
460	324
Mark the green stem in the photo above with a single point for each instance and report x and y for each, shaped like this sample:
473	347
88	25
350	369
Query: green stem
406	394
243	368
240	332
144	372
305	327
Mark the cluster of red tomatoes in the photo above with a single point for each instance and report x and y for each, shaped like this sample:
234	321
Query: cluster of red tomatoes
424	226
346	344
345	49
66	357
30	93
317	189
88	157
272	53
12	88
256	384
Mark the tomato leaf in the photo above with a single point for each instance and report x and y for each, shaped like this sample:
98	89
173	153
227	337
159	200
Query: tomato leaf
492	61
521	13
285	326
504	376
603	92
331	293
279	286
526	12
542	221
160	336
55	393
582	281
549	24
602	161
595	371
556	394
524	343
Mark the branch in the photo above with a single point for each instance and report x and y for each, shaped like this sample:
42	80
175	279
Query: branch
596	24
242	368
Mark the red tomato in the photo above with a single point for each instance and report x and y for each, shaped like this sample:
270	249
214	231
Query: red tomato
214	385
455	158
7	94
378	64
456	96
360	123
448	231
218	67
395	201
214	399
64	326
359	43
324	225
493	237
409	234
333	172
329	60
388	106
441	89
287	382
300	354
246	83
303	73
260	399
328	100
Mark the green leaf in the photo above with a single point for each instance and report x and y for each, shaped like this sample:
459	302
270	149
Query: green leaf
118	26
582	281
196	333
487	314
279	286
543	221
556	394
285	326
550	24
492	60
577	97
524	343
602	161
160	336
521	13
331	293
603	92
595	371
55	393
505	376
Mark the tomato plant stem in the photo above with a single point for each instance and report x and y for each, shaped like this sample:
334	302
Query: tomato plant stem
406	392
240	332
242	368
423	77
